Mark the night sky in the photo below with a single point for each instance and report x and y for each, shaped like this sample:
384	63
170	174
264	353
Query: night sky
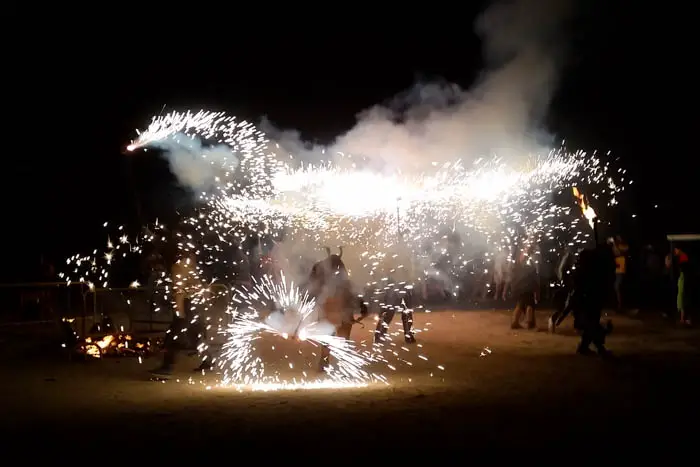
81	87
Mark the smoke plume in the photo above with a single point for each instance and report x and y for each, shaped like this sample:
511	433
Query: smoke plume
502	113
196	165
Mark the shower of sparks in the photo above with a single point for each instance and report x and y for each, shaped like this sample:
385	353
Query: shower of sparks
453	223
284	311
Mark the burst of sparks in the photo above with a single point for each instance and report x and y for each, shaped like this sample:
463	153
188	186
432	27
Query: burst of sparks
457	220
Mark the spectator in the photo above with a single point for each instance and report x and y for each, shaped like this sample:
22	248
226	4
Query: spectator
681	261
620	249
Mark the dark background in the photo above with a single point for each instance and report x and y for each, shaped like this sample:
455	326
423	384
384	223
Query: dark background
80	82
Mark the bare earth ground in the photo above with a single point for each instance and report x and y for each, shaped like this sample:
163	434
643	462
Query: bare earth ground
502	392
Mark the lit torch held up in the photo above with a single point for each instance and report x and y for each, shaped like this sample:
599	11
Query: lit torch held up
587	211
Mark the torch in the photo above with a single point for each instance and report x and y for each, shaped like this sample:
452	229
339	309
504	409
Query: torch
588	212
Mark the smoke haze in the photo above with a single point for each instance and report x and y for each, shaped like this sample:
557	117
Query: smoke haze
195	165
523	44
502	113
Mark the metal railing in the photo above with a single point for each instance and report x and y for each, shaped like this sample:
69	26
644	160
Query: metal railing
139	309
35	303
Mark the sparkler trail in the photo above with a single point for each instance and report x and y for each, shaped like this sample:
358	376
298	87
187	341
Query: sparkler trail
399	230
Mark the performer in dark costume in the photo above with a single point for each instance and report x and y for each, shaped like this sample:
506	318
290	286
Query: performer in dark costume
394	302
593	278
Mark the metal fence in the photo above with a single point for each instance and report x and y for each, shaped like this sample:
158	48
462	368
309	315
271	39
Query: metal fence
131	309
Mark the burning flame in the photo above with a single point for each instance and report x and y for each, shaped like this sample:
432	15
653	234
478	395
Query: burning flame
586	209
114	342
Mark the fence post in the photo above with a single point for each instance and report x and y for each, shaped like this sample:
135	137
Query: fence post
84	313
150	295
94	306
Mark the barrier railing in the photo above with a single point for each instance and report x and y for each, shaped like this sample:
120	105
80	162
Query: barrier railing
130	308
34	303
150	310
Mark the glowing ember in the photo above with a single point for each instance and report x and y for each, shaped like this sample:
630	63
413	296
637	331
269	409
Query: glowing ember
114	345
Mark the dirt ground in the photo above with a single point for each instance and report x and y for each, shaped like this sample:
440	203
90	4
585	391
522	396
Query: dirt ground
501	391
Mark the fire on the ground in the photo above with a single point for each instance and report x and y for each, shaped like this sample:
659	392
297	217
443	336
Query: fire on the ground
114	345
117	344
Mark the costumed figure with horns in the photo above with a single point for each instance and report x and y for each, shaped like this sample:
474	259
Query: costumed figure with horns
330	285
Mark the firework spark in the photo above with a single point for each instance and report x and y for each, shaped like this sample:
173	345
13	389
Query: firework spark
399	230
284	311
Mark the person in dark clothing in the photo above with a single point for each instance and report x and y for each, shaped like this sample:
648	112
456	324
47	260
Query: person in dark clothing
561	297
393	303
526	286
594	275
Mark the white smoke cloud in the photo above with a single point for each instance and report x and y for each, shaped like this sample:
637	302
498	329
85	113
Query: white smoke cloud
196	165
501	113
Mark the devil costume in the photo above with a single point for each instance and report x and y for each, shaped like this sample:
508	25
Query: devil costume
330	285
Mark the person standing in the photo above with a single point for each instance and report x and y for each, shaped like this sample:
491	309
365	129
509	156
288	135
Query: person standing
592	279
526	287
681	261
620	249
181	334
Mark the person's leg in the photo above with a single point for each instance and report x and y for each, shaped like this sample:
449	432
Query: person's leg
560	300
582	316
530	316
344	331
598	332
568	308
593	331
587	336
598	338
174	338
407	320
517	315
180	303
384	322
680	305
618	290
